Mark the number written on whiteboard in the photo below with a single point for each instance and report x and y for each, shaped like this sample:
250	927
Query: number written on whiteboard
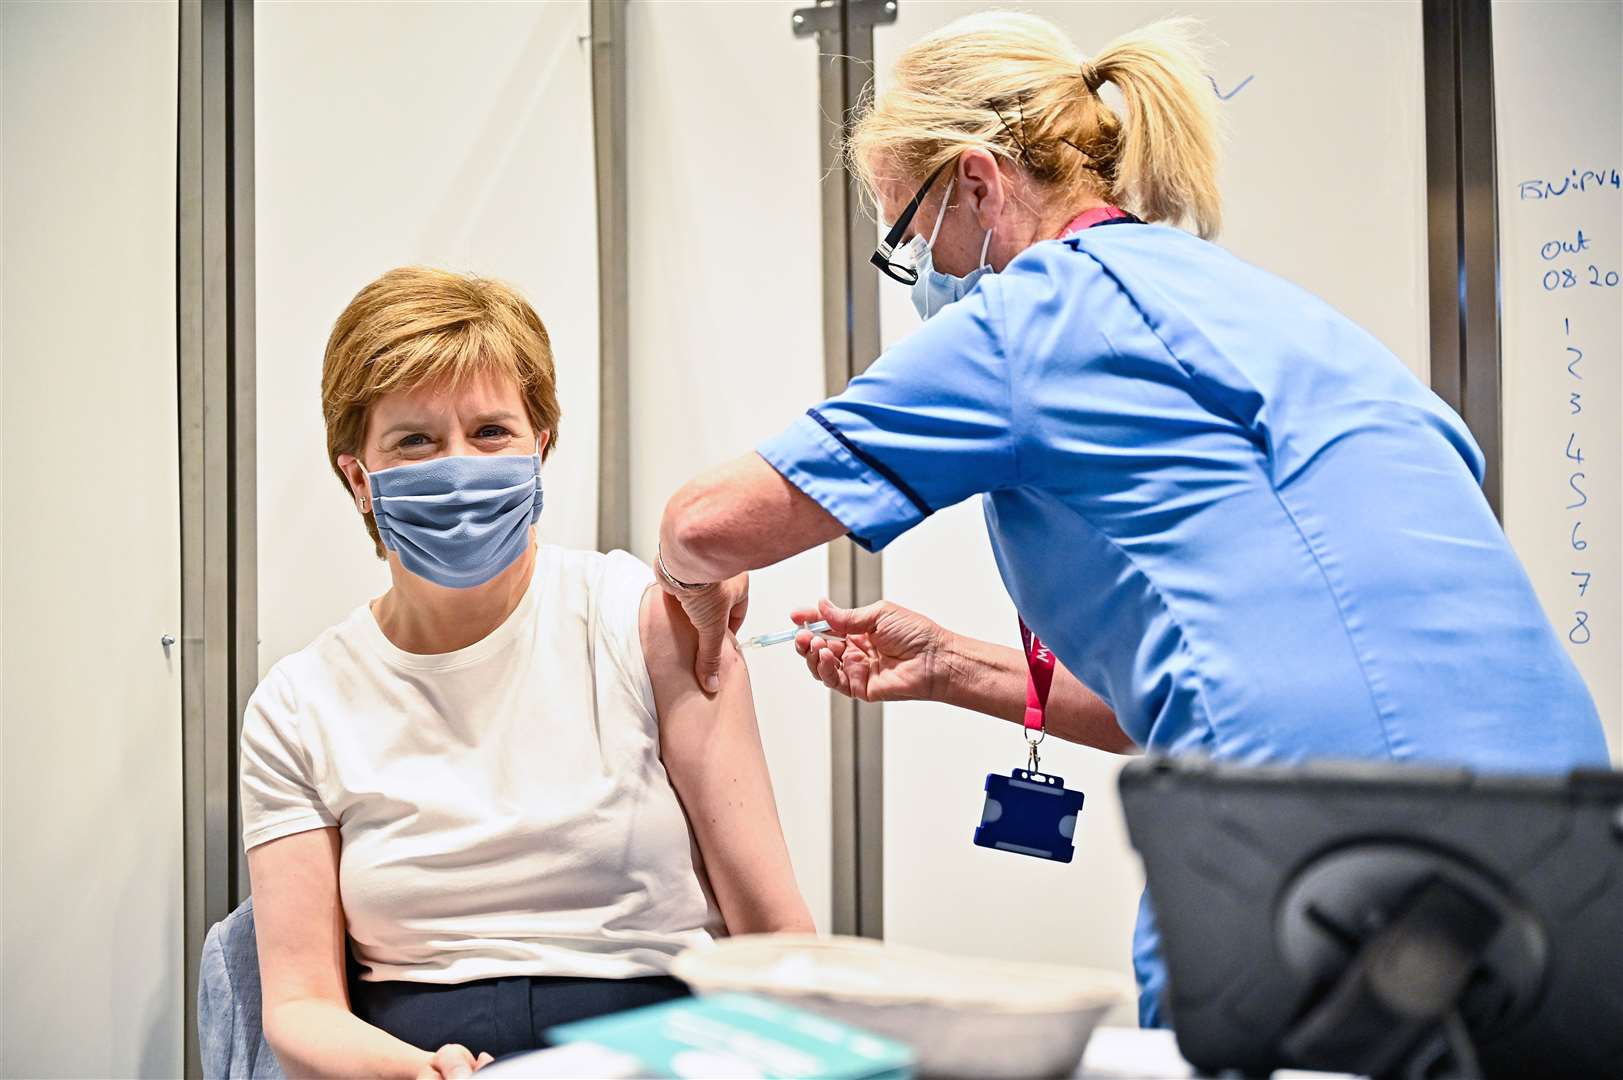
1568	278
1583	499
1579	632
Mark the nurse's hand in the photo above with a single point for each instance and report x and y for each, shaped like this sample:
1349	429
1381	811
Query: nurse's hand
889	653
715	611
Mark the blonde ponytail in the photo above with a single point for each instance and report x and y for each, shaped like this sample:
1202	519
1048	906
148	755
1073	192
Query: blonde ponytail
1013	84
1168	162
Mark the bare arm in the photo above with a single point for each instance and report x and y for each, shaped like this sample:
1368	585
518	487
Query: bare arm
894	654
991	679
741	516
711	748
299	923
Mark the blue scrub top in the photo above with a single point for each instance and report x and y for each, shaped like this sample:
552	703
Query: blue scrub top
1231	512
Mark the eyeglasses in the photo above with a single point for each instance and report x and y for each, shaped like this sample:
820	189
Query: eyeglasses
883	254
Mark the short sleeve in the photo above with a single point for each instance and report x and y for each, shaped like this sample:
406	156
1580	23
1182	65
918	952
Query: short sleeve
278	795
926	426
617	606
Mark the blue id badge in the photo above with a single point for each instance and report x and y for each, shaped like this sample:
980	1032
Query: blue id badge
1029	813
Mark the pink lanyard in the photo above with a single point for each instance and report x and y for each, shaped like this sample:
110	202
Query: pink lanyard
1039	680
1089	218
1039	658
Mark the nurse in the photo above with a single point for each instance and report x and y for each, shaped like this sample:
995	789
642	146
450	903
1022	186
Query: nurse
1240	523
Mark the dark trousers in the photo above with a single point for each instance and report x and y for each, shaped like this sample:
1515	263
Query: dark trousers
499	1016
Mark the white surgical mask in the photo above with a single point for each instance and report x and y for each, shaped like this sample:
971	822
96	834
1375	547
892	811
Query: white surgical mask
934	290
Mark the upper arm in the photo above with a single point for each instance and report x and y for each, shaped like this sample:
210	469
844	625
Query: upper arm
299	919
926	426
711	749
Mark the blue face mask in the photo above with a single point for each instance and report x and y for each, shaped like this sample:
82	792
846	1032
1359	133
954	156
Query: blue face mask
458	521
934	290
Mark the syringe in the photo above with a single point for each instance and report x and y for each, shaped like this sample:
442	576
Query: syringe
761	641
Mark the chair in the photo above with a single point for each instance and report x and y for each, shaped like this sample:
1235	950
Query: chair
229	1031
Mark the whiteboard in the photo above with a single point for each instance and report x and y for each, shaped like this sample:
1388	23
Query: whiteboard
1560	149
1324	184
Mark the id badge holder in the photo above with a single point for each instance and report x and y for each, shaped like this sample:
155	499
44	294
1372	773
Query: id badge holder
1030	812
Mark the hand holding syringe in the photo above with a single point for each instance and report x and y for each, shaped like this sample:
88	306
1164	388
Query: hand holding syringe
761	641
881	652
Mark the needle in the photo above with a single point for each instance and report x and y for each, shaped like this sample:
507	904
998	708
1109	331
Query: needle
761	641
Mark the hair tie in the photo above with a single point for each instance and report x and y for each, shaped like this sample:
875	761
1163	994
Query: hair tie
1091	76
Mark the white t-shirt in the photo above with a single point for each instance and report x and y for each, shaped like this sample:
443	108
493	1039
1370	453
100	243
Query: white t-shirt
503	808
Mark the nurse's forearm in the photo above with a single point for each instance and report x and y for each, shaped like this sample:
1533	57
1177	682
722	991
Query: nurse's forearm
991	679
741	516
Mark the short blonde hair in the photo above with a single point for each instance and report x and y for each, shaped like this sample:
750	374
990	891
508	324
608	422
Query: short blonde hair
1013	84
417	326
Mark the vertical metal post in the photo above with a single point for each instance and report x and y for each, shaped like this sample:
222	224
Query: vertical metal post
844	30
215	324
241	359
1462	214
613	321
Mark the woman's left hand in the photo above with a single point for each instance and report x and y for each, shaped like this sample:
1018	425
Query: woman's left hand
453	1060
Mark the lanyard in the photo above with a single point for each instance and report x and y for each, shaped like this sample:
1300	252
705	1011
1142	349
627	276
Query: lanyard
1095	216
1039	658
1021	813
1039	680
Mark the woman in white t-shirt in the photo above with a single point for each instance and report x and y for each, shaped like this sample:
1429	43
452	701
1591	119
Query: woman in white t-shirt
498	786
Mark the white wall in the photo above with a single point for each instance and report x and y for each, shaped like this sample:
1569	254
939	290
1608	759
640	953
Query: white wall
457	135
726	321
1557	114
1324	183
92	894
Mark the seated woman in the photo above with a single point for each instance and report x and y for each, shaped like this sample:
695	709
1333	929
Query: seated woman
499	782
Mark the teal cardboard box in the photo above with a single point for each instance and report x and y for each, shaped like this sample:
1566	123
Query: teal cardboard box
739	1035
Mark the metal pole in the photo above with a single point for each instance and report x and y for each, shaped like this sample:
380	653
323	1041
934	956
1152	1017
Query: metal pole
189	320
844	31
1442	198
215	331
613	321
241	360
1463	223
1479	213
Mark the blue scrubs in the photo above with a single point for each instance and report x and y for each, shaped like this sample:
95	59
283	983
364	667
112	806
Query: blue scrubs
1232	513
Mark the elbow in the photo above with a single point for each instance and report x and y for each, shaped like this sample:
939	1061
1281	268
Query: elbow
785	913
292	1029
695	527
798	923
776	922
282	1041
680	522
